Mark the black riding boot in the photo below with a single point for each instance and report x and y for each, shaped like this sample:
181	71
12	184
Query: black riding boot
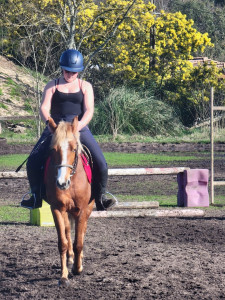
31	203
101	201
35	199
34	175
35	165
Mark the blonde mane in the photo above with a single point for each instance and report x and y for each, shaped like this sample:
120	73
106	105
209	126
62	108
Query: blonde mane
64	132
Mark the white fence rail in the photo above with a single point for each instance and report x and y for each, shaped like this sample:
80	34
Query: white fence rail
114	172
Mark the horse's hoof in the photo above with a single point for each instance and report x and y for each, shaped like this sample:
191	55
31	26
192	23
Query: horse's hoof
64	282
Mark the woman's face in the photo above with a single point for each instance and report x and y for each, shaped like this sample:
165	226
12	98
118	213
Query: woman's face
69	76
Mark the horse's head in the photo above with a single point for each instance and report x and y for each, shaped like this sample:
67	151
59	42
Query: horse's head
65	147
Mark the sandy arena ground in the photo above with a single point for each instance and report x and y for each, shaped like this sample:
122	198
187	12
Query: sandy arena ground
125	258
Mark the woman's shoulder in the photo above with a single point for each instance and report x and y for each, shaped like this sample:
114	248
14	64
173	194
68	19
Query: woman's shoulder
85	84
51	84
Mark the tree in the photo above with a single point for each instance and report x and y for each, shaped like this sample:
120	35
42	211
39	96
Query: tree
207	17
97	31
82	24
175	42
122	41
28	43
191	96
120	29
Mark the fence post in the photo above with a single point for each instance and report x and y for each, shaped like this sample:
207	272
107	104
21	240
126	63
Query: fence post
212	145
213	108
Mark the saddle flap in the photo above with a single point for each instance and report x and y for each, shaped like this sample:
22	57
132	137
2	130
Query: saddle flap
87	167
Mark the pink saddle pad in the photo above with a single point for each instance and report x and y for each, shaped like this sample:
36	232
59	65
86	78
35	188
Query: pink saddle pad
87	167
85	163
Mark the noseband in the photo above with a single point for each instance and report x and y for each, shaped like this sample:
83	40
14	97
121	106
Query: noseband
73	166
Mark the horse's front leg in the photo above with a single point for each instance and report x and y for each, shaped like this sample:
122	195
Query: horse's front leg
81	225
59	218
69	221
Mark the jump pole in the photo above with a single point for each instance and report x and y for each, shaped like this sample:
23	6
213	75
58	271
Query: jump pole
180	212
114	172
146	171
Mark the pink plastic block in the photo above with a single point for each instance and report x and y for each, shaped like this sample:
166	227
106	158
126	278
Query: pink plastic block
193	188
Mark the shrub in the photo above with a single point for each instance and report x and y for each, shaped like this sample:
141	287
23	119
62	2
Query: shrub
125	110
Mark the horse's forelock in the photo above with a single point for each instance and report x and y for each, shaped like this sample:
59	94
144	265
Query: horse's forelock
64	132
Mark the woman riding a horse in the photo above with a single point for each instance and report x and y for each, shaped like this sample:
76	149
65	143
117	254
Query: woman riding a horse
63	99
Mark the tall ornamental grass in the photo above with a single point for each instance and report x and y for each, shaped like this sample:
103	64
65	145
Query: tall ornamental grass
126	111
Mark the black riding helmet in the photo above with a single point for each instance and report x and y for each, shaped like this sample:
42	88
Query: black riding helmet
71	60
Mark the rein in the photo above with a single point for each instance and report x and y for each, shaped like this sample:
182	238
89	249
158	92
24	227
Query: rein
74	165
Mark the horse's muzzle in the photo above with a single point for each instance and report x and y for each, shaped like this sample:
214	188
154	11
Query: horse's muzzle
63	185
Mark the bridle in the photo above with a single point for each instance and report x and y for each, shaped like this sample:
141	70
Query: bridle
73	166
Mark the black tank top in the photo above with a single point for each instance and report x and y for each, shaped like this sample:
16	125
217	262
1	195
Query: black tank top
65	106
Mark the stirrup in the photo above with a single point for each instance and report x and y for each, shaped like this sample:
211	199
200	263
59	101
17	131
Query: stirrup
114	198
25	202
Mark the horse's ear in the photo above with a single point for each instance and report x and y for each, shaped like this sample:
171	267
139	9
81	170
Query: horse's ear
52	124
75	124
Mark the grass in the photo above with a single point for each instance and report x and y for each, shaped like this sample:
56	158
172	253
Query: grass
14	213
163	200
113	159
10	82
15	92
197	135
2	105
15	89
10	161
140	159
22	139
28	106
28	137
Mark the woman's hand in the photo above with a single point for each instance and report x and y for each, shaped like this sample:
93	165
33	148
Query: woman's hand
50	129
79	126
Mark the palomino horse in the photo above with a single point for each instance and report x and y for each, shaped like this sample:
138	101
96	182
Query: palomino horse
68	192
